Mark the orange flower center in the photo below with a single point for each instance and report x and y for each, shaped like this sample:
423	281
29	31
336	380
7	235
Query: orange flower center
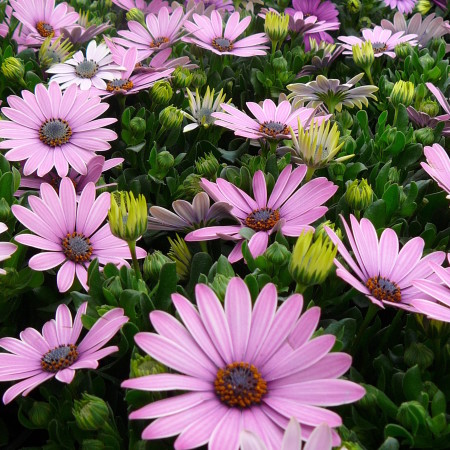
263	219
77	247
59	358
156	43
384	289
118	85
55	132
45	29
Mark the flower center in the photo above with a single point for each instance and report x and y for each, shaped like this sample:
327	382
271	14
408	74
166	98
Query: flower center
118	85
379	47
77	247
45	29
55	132
263	219
156	43
240	384
59	358
86	69
383	289
222	44
273	128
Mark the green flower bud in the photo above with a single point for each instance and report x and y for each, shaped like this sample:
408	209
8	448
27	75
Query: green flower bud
40	414
165	160
181	77
111	17
277	254
363	55
170	117
409	413
161	93
13	69
276	26
365	22
424	136
402	93
136	15
311	261
429	107
280	64
427	61
207	166
5	210
419	354
153	264
191	185
359	195
403	49
128	216
90	412
92	444
141	366
219	285
423	6
320	230
336	171
353	6
394	176
138	125
179	252
199	79
345	119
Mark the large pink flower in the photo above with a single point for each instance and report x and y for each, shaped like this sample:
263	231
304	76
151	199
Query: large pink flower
287	209
209	33
438	166
383	274
69	233
244	367
6	248
53	129
404	6
38	357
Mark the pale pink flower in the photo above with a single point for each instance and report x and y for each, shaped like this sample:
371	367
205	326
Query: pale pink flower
438	166
6	248
36	357
152	6
404	6
244	367
445	106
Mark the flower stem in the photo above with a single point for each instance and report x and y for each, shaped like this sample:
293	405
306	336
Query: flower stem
371	313
369	76
137	270
300	288
309	173
204	246
395	117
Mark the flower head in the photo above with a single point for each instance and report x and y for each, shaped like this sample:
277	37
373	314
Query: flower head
363	55
402	92
209	33
325	55
37	357
6	248
404	6
287	209
83	31
244	367
438	166
382	273
152	6
276	26
70	232
359	195
54	51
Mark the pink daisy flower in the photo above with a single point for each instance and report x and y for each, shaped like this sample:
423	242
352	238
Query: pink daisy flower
287	209
68	232
438	166
42	19
439	306
160	61
36	357
162	31
208	33
383	41
53	129
87	71
153	6
404	6
244	367
383	273
210	5
440	97
6	248
272	121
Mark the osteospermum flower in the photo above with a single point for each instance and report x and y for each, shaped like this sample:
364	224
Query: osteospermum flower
83	31
287	209
445	106
332	93
54	52
381	272
404	6
203	7
244	367
53	129
272	121
153	6
36	357
208	33
324	56
6	248
438	166
383	41
69	232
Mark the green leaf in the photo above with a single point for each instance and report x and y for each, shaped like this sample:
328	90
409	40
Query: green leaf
167	285
201	263
397	145
376	213
353	170
412	383
438	404
392	199
381	179
393	430
363	120
390	444
224	267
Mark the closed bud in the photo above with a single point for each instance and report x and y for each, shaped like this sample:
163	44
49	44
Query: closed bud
403	49
336	171
320	230
161	93
277	254
191	185
423	6
410	413
165	160
363	55
276	26
40	414
427	61
170	117
424	136
219	285
138	125
90	412
402	93
110	17
394	176
136	15
181	77
153	264
359	195
180	254
429	107
280	64
365	22
92	444
199	79
353	6
141	366
420	354
207	166
13	69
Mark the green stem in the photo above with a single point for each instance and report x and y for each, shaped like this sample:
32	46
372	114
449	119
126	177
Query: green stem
395	117
137	270
357	214
371	313
204	246
369	76
300	288
309	173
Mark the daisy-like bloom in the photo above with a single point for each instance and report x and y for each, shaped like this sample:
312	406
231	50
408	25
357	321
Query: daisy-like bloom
42	19
68	232
438	166
324	11
332	93
320	438
87	71
6	248
209	5
162	31
324	56
404	6
83	31
429	28
439	306
36	357
383	41
53	129
153	6
287	209
209	33
382	272
272	121
188	216
160	61
54	52
202	108
445	106
244	367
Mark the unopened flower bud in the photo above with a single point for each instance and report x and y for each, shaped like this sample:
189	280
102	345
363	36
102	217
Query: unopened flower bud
427	61
13	69
410	413
393	176
402	93
170	117
276	26
136	15
424	136
92	444
199	79
420	354
365	22
429	107
191	185
40	414
353	6
161	93
207	166
320	230
336	171
141	366
181	77
277	254
219	285
403	49
423	6
179	252
280	64
137	125
363	55
165	160
153	264
359	195
90	412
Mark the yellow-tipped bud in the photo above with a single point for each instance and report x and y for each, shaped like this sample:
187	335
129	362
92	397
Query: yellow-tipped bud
179	252
276	26
13	69
359	195
136	15
402	92
91	412
363	55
